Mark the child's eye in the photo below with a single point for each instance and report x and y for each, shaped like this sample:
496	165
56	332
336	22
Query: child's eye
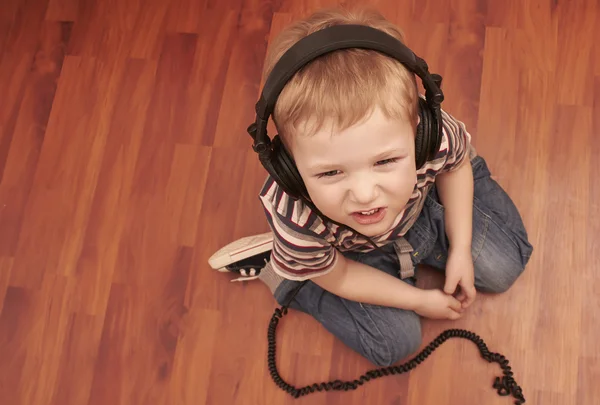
386	161
330	173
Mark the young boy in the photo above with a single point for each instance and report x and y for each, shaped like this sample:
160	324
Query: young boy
349	121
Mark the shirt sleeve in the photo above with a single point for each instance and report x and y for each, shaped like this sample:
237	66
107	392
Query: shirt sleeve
301	246
456	143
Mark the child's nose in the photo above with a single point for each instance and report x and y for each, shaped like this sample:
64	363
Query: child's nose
364	192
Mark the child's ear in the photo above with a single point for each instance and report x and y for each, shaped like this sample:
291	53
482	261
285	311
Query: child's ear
418	122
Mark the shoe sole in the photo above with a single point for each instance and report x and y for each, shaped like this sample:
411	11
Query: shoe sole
240	249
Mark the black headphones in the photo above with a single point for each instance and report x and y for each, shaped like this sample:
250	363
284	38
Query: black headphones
273	155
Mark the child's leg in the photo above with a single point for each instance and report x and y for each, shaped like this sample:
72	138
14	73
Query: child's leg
382	335
500	246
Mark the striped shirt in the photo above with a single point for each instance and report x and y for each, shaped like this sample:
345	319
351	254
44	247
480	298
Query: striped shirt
305	246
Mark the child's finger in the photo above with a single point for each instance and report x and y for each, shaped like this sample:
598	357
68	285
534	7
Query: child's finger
470	292
451	284
454	304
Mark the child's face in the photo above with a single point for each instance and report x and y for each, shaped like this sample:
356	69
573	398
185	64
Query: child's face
370	166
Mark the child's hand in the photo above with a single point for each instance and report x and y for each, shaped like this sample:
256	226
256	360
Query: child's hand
437	305
460	272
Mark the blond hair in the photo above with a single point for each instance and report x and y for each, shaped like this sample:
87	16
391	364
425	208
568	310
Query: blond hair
342	87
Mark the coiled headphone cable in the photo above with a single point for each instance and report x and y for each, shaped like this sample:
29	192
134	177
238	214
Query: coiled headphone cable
505	385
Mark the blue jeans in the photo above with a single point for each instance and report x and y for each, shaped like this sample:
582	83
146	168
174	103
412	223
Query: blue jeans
385	335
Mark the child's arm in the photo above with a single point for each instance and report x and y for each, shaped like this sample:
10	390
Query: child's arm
455	189
362	283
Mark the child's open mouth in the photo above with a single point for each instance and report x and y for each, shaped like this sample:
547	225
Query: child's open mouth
369	217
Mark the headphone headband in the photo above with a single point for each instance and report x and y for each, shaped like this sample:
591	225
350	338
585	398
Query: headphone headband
328	40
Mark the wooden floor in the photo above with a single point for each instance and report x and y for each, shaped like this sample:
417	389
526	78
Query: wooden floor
124	164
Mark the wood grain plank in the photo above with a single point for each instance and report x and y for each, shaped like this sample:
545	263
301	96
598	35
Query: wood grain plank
87	25
44	333
548	397
149	238
588	372
13	71
505	14
400	12
43	358
589	357
185	158
566	216
427	40
279	21
155	160
148	32
215	226
247	221
29	128
241	89
533	150
5	26
431	11
496	128
215	41
106	29
9	9
60	199
5	268
139	340
301	9
222	5
233	384
174	76
192	365
110	207
535	121
538	20
79	355
125	336
597	48
194	195
184	15
426	390
62	10
164	119
574	63
17	327
28	16
464	63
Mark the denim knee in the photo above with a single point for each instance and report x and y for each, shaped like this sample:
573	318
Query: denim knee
500	256
394	345
495	273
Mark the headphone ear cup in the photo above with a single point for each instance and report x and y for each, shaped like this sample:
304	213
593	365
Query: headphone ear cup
423	134
285	171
